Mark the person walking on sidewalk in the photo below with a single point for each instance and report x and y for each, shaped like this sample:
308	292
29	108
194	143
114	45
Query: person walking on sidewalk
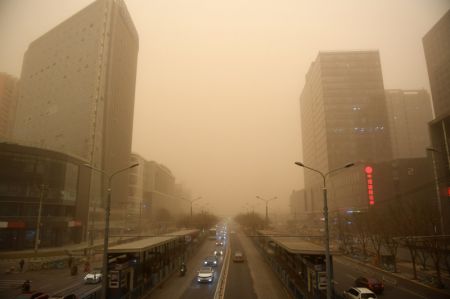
21	264
87	267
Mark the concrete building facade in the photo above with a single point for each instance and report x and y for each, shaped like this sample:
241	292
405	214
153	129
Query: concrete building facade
8	103
436	44
409	112
77	91
155	201
344	119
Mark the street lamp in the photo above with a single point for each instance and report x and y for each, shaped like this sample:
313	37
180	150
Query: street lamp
192	201
107	213
436	182
37	239
325	215
267	207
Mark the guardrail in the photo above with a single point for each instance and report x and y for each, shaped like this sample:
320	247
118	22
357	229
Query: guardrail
220	290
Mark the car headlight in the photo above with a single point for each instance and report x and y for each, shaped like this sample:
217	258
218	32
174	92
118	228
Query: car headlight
205	262
198	279
215	262
210	279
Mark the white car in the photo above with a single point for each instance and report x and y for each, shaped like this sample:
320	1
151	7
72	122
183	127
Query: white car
205	274
93	277
359	293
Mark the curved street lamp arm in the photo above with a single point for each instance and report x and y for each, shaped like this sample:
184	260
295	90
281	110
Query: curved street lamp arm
312	169
119	171
340	168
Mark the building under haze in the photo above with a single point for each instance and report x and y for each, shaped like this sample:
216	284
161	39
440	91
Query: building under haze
409	112
436	44
154	199
8	102
344	119
77	90
34	180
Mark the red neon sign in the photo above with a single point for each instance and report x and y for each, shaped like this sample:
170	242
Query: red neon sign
368	169
369	178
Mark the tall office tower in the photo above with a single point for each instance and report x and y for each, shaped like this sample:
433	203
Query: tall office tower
77	89
8	102
409	112
344	119
436	44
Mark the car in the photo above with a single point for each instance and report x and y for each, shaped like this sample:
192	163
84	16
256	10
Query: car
370	283
359	293
218	252
205	274
238	257
93	277
210	261
219	243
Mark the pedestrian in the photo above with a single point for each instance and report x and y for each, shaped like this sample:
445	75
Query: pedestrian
70	261
21	264
26	286
87	267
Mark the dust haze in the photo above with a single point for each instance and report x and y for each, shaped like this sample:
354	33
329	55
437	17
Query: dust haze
218	82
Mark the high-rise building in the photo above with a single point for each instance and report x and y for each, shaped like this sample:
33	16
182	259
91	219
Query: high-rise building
409	112
436	44
344	119
8	102
77	90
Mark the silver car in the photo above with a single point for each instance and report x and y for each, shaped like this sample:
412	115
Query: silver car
205	274
93	277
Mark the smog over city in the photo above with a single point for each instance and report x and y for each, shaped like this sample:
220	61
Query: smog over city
225	108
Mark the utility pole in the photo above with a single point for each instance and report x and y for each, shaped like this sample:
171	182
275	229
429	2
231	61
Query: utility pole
37	239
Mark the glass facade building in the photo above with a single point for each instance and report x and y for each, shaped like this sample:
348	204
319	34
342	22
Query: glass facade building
33	179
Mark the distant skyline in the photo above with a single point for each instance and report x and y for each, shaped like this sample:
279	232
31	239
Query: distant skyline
218	82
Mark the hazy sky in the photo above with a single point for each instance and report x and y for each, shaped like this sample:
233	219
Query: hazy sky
218	82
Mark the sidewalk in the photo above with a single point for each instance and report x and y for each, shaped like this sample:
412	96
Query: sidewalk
48	258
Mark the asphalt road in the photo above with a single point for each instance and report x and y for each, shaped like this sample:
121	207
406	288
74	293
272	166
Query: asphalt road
187	287
346	271
239	281
264	283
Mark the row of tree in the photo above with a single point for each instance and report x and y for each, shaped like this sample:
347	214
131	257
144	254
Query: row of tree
413	223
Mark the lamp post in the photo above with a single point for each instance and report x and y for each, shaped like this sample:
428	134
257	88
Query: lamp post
436	182
37	240
325	215
192	201
267	207
107	214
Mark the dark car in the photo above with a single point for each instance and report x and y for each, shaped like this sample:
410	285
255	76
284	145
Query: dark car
371	283
211	261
